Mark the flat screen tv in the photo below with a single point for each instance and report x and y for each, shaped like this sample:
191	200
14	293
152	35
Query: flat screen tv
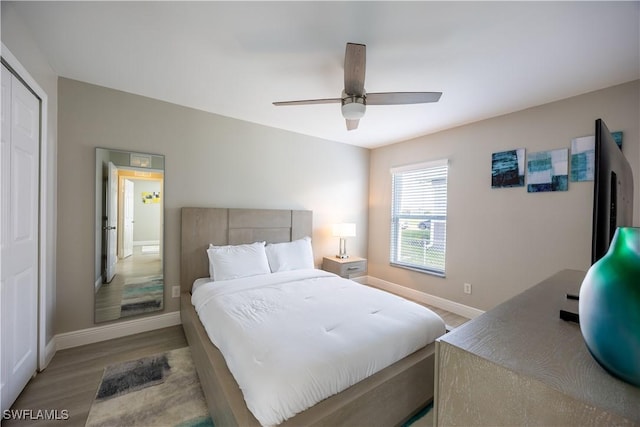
612	191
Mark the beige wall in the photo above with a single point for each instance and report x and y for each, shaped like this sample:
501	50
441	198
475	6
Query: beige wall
500	241
210	161
17	38
503	241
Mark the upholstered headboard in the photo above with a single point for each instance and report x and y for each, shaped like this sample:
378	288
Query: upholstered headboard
224	226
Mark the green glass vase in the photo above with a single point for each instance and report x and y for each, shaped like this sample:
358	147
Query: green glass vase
609	307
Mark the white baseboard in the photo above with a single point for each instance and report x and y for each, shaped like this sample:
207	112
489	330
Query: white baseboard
146	242
116	330
445	304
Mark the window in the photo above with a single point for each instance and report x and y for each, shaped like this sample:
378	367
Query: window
419	216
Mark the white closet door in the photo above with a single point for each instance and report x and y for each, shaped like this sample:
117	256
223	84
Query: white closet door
112	222
19	236
127	234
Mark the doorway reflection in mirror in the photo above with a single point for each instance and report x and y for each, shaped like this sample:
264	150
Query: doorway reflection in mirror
129	234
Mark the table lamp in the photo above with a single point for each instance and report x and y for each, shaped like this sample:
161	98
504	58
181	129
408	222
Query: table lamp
343	231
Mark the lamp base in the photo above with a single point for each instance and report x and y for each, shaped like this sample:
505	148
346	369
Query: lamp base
342	253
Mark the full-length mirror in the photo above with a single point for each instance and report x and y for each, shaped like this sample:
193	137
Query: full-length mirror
129	274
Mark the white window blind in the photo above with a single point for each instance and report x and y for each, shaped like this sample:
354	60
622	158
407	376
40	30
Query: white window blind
419	216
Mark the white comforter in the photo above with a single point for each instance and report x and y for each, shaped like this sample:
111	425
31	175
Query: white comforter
294	338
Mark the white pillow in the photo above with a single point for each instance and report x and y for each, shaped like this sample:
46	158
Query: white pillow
236	261
211	245
287	256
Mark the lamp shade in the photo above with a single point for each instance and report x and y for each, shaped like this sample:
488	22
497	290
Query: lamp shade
344	230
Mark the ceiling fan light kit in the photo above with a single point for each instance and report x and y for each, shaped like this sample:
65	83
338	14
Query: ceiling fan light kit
354	98
353	107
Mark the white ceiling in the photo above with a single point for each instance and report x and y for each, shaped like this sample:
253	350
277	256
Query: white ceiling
236	58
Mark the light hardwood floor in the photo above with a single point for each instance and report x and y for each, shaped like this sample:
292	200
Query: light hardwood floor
72	378
450	319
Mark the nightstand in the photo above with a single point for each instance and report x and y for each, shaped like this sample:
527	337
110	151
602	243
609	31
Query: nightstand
344	267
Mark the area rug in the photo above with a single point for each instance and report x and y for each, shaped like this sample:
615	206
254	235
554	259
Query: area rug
423	418
142	295
163	390
160	390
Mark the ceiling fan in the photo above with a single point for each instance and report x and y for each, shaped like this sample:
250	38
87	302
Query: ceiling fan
354	98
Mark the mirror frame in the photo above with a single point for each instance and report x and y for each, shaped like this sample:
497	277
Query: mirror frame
136	165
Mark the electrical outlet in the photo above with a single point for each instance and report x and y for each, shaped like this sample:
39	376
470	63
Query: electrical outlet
175	292
467	288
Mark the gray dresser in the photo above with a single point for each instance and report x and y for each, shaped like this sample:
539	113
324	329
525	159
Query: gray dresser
520	364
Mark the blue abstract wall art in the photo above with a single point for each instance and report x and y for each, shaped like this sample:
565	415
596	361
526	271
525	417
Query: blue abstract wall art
617	137
582	158
548	171
507	169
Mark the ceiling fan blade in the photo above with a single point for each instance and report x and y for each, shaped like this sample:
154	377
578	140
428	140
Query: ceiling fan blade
354	67
396	98
309	101
352	124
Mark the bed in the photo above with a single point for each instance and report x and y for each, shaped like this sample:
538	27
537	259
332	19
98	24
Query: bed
388	397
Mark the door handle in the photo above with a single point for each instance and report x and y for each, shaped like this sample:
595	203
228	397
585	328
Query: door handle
109	228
